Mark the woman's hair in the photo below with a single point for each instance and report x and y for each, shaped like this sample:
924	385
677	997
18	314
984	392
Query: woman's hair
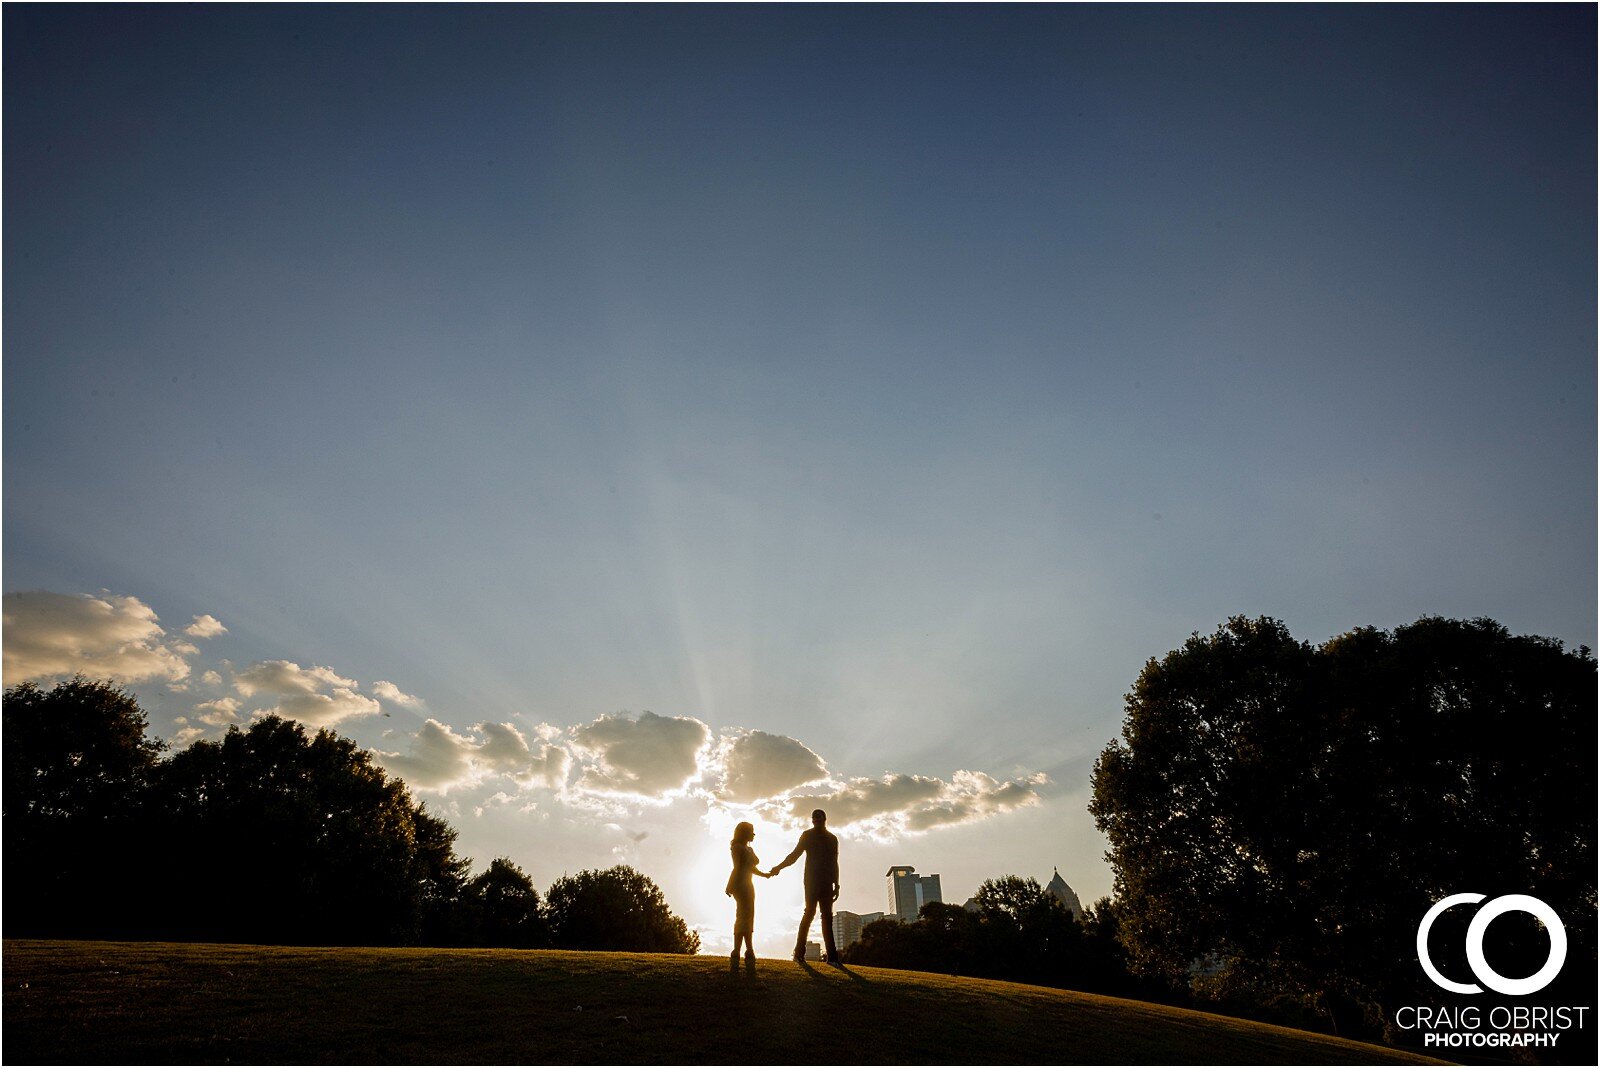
743	833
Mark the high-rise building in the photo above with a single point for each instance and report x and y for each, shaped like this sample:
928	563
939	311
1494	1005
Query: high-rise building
908	892
1063	893
847	926
1057	888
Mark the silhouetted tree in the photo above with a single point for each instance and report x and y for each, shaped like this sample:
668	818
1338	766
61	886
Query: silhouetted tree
502	908
278	837
890	943
614	909
1017	931
1025	932
949	940
439	880
1292	811
77	768
1103	960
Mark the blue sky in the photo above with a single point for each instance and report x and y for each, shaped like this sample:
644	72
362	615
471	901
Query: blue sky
891	380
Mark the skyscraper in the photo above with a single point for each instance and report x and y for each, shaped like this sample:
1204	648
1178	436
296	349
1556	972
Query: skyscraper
908	892
1063	893
847	926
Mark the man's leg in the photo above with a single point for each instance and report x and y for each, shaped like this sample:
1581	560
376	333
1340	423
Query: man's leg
827	927
805	928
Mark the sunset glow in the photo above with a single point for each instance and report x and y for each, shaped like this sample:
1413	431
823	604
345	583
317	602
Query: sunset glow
625	421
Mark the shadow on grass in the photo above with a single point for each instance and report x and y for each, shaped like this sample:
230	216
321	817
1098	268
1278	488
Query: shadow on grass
806	967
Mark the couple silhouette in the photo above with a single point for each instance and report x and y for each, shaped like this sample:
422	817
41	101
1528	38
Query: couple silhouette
821	850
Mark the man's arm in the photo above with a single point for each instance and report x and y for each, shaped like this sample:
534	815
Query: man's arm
799	850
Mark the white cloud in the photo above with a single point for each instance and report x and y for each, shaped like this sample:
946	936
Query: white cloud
391	693
323	709
205	627
186	737
894	805
285	677
49	635
301	693
649	757
441	760
759	765
211	678
506	750
218	713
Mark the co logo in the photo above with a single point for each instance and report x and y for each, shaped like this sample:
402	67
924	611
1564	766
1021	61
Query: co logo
1475	931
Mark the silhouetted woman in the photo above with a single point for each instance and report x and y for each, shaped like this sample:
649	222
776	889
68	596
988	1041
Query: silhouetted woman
742	888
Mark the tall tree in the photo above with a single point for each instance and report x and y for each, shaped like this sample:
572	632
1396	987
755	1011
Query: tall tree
77	769
280	837
1294	811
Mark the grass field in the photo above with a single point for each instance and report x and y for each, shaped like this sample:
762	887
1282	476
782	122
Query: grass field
99	1002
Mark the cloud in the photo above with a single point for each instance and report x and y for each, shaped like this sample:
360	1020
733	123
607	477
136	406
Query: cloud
441	760
186	737
759	765
648	757
55	634
284	677
205	627
894	805
505	750
973	796
211	678
300	693
391	693
218	713
323	709
860	800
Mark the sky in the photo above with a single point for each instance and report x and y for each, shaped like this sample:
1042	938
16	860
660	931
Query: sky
625	421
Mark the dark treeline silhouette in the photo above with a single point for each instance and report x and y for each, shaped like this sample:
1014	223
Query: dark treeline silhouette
1017	931
270	835
1281	816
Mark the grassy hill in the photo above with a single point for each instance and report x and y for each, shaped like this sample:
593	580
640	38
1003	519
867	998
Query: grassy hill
94	1002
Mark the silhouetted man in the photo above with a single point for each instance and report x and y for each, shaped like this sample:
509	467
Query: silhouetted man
822	882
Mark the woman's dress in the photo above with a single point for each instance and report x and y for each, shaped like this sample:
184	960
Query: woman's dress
742	885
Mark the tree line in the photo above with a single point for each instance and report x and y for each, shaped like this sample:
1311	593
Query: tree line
1280	816
1015	930
269	835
